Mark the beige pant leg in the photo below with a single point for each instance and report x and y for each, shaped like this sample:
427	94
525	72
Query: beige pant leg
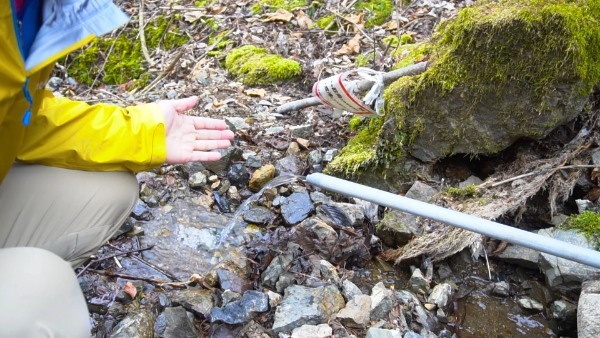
40	296
69	212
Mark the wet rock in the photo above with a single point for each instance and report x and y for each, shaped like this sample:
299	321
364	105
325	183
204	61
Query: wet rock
289	164
319	198
261	176
222	203
530	304
243	310
324	235
277	266
304	131
539	292
183	236
229	280
501	289
381	302
520	255
141	212
258	215
296	208
229	296
163	301
198	301
137	324
356	313
441	295
383	333
313	331
302	305
227	157
560	272
234	195
238	175
397	227
418	283
588	310
349	290
177	324
565	313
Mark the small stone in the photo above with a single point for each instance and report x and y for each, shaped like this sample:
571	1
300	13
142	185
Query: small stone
237	175
530	304
329	155
357	312
313	331
261	176
501	289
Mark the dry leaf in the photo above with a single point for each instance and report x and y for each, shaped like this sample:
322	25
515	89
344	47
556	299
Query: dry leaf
217	9
259	92
304	143
193	16
280	15
358	19
303	20
130	289
390	25
352	47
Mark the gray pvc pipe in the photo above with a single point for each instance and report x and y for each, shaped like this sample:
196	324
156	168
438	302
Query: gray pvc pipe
458	219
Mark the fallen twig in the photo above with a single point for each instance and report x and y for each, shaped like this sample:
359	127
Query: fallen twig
164	73
143	35
580	166
361	87
122	253
145	262
353	23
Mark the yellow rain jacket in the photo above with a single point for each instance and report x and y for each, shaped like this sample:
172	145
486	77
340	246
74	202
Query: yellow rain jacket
36	127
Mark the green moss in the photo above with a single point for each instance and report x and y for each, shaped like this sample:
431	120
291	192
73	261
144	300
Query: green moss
325	21
587	223
469	191
273	5
204	3
254	66
488	52
377	11
364	60
358	155
119	60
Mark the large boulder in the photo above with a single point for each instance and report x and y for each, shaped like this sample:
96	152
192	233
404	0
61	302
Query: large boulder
498	72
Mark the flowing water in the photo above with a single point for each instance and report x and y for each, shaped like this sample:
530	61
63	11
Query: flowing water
280	180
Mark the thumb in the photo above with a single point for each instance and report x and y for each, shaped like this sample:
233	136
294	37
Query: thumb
182	105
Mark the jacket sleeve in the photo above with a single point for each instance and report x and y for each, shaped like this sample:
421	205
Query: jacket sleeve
101	137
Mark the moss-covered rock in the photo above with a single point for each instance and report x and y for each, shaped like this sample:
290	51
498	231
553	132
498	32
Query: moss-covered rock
252	65
500	71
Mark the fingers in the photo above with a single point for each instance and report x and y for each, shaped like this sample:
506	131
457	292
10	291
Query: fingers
202	145
214	135
182	105
208	123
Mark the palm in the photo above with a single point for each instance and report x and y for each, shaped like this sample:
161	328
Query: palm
191	138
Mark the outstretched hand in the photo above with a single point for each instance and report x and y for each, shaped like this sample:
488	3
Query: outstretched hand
191	138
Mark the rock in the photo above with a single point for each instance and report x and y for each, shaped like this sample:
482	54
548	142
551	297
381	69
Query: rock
356	313
304	131
274	130
418	283
227	156
315	157
381	302
398	227
293	149
383	333
296	208
322	235
229	280
258	215
238	123
178	324
289	164
274	298
141	212
539	292
319	198
354	213
261	176
229	296
501	289
328	272
139	324
243	310
277	266
302	305
330	154
441	295
471	180
412	302
588	310
198	301
560	272
286	280
564	313
254	161
530	304
349	290
237	175
197	180
520	255
313	331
